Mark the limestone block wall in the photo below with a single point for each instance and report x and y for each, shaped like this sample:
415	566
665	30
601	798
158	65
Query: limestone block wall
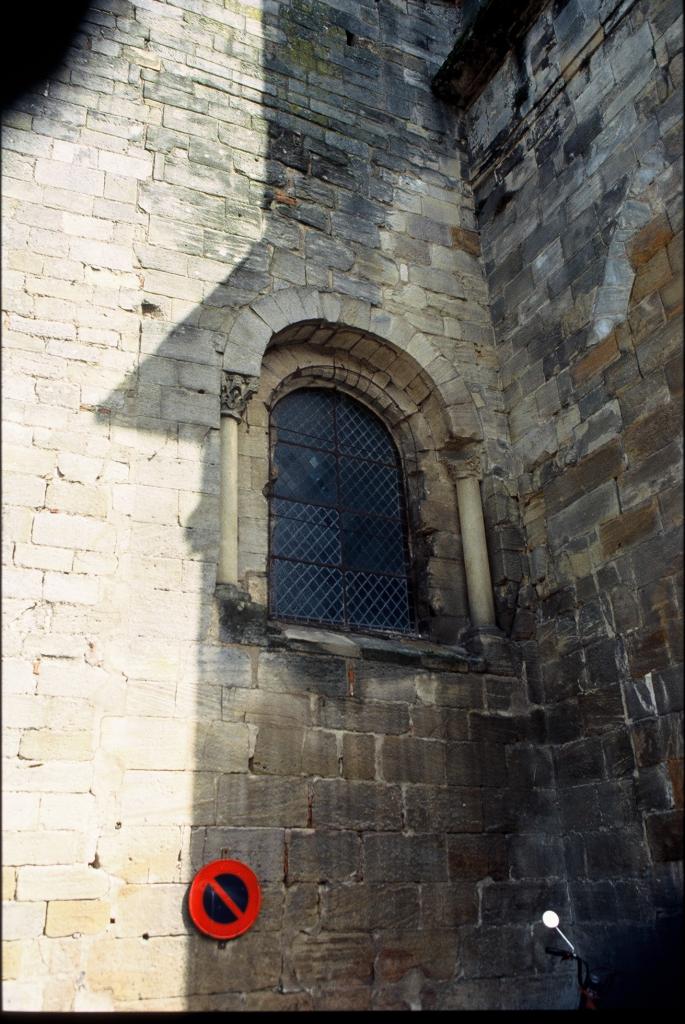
187	159
577	150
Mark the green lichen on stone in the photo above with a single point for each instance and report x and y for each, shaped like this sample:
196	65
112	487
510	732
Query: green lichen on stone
308	32
253	13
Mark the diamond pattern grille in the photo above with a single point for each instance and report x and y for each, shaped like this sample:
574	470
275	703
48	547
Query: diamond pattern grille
338	535
306	417
361	433
368	486
305	473
377	602
310	592
372	543
305	532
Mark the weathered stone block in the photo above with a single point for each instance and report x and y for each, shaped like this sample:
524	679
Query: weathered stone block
318	856
146	910
46	744
278	751
290	673
615	852
608	901
476	857
67	882
155	743
499	728
341	960
449	905
536	857
221	746
601	711
22	920
496	951
9	883
463	764
653	788
432	952
389	857
649	240
268	802
320	753
266	708
630	527
72	531
262	848
584	514
358	756
364	907
431	809
405	759
66	917
450	690
377	682
160	797
466	240
596	361
579	762
439	723
620	764
650	433
338	803
45	847
518	901
658	739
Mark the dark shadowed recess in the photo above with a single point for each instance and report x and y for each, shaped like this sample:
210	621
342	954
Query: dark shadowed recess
35	38
491	30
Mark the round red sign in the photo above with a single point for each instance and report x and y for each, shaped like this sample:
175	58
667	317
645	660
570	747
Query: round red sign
224	899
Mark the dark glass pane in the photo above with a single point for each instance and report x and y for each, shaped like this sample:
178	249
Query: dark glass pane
377	602
305	532
372	543
362	433
338	543
306	417
305	475
306	591
369	487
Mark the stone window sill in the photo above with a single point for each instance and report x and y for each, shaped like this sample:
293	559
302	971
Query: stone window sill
395	650
241	621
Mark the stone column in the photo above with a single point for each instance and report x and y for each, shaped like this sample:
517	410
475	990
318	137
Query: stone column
236	391
466	475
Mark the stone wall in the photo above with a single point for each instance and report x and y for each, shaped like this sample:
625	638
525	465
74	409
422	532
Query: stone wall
186	160
576	148
206	186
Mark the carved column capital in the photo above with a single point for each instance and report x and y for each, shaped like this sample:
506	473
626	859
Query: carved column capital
236	391
467	466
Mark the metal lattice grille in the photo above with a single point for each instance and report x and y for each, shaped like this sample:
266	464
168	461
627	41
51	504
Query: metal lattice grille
338	542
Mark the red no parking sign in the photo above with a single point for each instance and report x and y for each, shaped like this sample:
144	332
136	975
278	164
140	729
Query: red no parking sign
224	899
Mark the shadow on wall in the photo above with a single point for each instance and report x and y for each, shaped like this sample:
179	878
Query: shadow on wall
265	188
264	178
41	33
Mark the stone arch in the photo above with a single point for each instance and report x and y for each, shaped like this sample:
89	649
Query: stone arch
315	353
256	326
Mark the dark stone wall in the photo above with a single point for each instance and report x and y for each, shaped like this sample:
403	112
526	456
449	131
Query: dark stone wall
576	164
400	803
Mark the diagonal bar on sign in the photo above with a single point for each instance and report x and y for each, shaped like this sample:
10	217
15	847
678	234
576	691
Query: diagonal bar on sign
223	895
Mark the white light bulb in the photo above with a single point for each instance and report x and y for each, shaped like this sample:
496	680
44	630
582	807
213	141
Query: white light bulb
550	919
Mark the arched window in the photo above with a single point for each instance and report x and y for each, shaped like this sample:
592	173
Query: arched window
338	535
